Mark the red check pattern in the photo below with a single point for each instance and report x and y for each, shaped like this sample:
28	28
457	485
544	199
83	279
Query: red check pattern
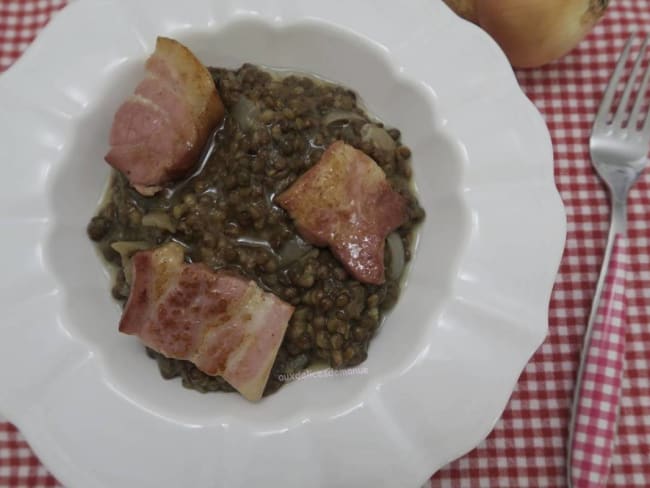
20	21
527	447
600	392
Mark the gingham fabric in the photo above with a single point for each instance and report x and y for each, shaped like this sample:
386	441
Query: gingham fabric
600	385
527	447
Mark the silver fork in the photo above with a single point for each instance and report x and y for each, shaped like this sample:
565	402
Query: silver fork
619	152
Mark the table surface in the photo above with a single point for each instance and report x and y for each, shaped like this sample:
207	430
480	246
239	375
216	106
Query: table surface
527	445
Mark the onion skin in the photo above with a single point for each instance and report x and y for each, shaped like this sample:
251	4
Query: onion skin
465	8
533	32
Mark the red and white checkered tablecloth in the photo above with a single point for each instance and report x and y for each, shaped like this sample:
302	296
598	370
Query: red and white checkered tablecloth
527	446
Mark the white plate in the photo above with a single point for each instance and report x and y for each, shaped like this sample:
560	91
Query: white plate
444	363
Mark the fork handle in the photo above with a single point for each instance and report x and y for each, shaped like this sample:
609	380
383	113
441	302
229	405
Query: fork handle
598	385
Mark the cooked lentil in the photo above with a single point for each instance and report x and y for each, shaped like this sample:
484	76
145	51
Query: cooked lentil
276	128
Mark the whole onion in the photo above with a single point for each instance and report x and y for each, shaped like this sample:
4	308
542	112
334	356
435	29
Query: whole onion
533	32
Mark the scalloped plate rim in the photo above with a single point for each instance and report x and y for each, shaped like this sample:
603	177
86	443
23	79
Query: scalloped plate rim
39	444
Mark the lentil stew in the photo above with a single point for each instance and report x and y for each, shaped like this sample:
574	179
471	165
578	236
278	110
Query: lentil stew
277	125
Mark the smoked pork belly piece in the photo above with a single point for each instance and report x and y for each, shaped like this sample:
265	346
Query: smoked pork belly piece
159	131
345	202
220	321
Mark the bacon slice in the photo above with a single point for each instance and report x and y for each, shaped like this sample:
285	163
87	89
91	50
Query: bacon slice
159	131
345	202
225	324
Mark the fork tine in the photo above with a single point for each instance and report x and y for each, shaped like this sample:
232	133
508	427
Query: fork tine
605	105
622	105
639	100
